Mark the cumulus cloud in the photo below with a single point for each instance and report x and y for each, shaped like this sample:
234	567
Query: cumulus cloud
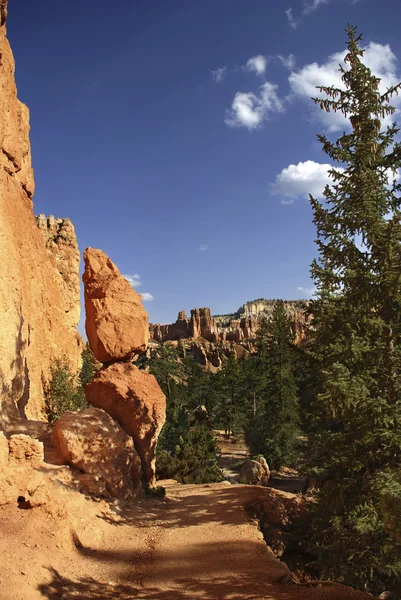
378	57
146	297
135	280
301	180
250	110
204	247
219	74
307	291
257	64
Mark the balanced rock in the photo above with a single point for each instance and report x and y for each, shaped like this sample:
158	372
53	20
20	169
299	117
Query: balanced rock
94	443
255	472
116	321
134	399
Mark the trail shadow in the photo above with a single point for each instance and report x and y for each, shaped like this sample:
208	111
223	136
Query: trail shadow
224	506
84	588
289	483
208	570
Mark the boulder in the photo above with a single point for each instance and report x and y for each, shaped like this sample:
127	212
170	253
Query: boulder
134	399
116	321
94	443
255	472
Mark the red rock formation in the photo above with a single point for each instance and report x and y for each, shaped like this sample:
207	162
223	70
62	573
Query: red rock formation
202	325
34	327
237	328
94	443
116	322
62	246
134	399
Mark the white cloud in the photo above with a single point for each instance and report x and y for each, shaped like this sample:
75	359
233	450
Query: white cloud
219	74
311	5
204	247
286	61
292	21
146	297
250	110
307	291
378	57
135	280
257	64
301	180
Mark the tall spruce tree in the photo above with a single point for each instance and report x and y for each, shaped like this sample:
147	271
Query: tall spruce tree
356	441
273	429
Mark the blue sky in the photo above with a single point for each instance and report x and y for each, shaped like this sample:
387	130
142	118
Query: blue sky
179	137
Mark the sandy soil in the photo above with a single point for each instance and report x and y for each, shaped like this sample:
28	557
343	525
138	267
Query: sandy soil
196	543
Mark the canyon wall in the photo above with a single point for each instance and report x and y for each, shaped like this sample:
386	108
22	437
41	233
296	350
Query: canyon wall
39	293
236	327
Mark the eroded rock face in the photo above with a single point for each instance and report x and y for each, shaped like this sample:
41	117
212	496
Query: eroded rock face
62	246
116	322
238	327
34	328
134	399
3	450
94	443
25	450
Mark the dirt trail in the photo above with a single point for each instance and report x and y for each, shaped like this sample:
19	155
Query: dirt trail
197	543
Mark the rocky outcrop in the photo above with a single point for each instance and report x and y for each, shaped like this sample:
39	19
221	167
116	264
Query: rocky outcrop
255	472
116	322
237	327
62	247
134	399
93	442
34	326
200	325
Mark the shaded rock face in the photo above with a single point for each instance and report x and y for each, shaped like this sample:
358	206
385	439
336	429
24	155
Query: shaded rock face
34	327
94	443
116	322
134	399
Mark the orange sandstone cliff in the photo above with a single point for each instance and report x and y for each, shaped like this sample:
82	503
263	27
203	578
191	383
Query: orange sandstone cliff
39	278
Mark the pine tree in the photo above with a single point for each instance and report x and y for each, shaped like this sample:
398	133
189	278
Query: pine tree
273	430
88	368
230	406
357	320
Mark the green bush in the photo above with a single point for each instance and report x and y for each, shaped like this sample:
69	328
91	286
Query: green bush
194	460
62	392
66	392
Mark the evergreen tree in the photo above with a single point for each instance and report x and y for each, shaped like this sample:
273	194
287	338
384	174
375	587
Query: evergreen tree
62	392
230	409
187	449
357	320
273	431
88	368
